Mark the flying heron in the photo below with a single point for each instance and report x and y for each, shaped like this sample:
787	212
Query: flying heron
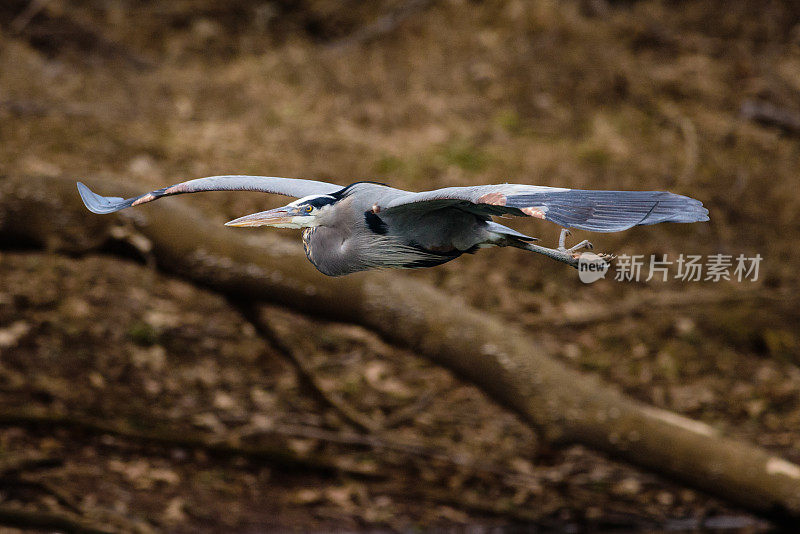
368	225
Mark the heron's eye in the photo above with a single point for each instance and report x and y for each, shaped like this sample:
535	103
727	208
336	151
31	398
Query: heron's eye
308	209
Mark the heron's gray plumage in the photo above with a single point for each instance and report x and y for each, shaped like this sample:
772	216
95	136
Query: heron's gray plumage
368	225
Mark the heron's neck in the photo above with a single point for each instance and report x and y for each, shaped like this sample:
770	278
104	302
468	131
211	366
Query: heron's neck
326	248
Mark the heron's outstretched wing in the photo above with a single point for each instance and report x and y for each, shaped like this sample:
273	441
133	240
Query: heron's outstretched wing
292	187
597	211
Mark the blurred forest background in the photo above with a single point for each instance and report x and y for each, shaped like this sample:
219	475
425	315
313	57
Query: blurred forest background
151	404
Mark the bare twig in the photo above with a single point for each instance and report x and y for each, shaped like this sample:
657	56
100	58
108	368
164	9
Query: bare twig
588	315
310	432
408	413
385	442
384	25
12	466
690	143
260	454
61	497
375	437
61	28
771	115
161	436
46	521
304	373
27	14
38	108
462	501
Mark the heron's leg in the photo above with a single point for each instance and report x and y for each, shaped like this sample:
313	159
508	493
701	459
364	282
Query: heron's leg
562	239
564	255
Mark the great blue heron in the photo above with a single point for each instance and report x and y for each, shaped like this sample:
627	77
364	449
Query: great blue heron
368	225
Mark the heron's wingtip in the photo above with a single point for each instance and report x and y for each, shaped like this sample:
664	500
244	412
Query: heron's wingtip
702	214
86	196
99	204
83	190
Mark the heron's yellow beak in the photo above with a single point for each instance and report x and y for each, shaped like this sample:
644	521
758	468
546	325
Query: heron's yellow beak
285	217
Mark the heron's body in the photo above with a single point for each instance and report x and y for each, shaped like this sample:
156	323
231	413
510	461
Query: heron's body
405	239
367	225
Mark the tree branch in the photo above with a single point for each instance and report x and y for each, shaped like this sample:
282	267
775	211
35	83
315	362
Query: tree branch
302	371
280	456
24	519
769	114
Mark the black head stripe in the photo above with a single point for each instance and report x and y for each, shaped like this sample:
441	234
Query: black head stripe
319	201
345	191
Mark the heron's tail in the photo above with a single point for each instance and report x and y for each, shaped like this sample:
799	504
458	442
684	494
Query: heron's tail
509	236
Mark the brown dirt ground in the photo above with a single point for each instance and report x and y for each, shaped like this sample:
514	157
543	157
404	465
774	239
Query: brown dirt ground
626	95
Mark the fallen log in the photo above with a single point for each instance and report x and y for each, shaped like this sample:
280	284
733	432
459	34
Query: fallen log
564	405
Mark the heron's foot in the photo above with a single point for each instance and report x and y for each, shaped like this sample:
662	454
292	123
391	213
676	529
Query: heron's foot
583	244
571	256
562	240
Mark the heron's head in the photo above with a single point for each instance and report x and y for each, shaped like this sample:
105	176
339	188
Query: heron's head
302	213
